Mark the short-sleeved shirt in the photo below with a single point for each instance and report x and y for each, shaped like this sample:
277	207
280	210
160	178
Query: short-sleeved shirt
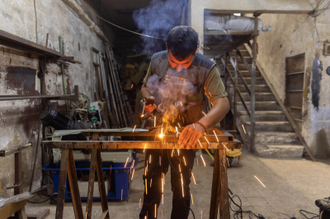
214	88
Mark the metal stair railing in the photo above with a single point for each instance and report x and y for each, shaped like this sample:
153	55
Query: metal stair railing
287	114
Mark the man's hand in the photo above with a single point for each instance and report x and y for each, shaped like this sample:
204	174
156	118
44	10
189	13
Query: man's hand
149	106
190	135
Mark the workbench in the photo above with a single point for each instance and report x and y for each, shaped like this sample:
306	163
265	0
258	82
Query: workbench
214	138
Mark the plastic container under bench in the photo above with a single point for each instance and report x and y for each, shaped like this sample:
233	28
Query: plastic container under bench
119	181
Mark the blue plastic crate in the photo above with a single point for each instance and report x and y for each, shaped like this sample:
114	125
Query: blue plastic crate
120	179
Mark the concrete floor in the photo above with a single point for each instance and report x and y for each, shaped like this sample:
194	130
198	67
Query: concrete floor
291	185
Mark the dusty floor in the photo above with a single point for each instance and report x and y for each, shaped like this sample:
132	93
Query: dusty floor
291	185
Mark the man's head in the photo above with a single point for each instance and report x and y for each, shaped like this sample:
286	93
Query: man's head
182	43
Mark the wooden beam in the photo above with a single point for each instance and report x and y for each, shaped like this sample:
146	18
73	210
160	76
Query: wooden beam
215	190
12	208
223	181
231	11
62	183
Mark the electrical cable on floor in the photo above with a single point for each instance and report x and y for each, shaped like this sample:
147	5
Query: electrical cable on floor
301	211
240	212
39	202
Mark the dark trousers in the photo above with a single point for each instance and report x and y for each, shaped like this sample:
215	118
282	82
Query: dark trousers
181	164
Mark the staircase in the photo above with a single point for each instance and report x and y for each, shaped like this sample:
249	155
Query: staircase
274	135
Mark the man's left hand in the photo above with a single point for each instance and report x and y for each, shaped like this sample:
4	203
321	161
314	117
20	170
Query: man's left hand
190	135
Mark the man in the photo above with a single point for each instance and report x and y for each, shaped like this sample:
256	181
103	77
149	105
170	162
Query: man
177	81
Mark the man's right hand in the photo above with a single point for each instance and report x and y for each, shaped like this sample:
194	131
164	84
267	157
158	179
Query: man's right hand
149	105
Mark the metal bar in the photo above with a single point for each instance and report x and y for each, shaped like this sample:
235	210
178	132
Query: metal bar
248	68
215	191
225	66
100	179
35	157
4	153
253	83
223	181
74	189
239	93
134	145
235	91
96	68
239	74
53	97
62	183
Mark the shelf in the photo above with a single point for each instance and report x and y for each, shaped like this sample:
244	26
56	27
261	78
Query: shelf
295	73
295	107
75	96
13	41
294	91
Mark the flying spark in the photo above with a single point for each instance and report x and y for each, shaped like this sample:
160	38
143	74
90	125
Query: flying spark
204	113
216	136
179	125
121	194
146	184
155	210
134	128
225	146
172	152
203	160
142	115
192	199
146	170
126	162
155	121
182	185
160	160
133	174
132	85
260	181
178	150
210	94
150	183
207	140
150	158
140	203
179	168
133	163
177	131
184	161
193	177
243	129
200	144
181	103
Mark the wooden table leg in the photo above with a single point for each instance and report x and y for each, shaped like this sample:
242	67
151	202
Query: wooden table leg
215	192
224	196
100	178
91	185
62	184
73	182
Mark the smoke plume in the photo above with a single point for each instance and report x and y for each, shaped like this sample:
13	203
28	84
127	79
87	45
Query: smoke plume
157	20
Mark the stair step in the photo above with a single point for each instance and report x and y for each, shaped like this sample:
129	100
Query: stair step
264	137
248	80
258	88
264	116
267	96
260	106
244	52
276	126
245	73
279	150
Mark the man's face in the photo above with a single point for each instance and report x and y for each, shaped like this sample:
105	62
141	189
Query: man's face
179	65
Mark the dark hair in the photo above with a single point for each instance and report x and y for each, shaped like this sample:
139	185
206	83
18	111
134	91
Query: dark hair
182	41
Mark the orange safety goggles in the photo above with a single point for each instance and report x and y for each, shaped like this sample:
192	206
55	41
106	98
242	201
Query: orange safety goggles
180	64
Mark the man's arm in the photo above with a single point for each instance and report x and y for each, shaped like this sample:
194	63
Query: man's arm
215	91
217	113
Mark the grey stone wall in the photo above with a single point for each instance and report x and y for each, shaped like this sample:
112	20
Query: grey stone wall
293	35
19	120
